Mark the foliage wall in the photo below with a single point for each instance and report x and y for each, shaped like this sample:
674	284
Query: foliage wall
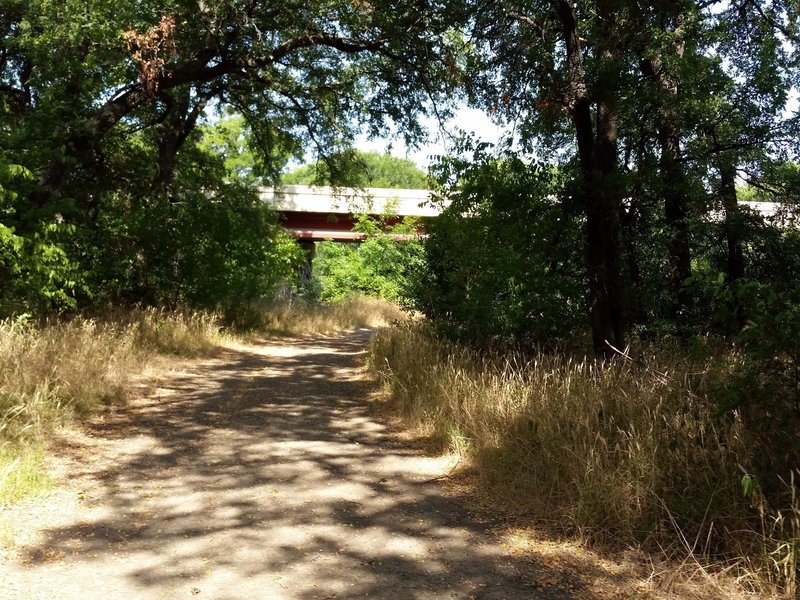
503	262
383	265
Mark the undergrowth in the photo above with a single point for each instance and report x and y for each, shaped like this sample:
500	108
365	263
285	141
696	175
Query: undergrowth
618	454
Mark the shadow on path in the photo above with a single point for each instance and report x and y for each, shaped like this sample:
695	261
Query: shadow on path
262	475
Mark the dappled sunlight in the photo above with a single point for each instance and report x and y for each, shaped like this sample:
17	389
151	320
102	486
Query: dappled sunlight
261	474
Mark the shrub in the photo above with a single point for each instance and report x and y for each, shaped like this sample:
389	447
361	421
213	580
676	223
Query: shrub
380	266
503	260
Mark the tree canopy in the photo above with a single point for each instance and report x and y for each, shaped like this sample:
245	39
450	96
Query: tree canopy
106	139
360	169
637	128
298	72
651	112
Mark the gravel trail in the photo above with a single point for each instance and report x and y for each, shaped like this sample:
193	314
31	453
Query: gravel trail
258	474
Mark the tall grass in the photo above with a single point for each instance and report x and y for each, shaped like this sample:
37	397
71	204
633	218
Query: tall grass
58	372
618	454
300	317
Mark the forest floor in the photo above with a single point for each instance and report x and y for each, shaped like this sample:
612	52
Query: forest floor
264	472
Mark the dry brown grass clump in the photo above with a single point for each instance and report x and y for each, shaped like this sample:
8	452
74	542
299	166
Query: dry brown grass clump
184	332
299	317
616	454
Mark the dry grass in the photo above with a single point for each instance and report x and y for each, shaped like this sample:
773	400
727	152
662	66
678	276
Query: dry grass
185	333
299	317
62	372
59	372
615	455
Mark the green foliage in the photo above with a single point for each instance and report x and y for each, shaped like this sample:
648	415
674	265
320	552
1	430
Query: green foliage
380	266
503	259
246	157
766	376
220	250
360	169
36	275
115	188
129	194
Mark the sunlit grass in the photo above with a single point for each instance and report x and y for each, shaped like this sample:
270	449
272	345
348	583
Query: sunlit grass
616	454
184	333
21	474
299	317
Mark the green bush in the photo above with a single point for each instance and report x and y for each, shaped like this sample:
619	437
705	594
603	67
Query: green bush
36	274
502	261
215	251
380	266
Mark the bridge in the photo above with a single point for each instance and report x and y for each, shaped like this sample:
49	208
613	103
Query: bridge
315	213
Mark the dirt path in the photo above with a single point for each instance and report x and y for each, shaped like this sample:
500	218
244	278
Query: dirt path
259	474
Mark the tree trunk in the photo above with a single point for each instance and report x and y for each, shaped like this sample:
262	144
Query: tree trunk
734	269
675	203
598	161
733	221
180	121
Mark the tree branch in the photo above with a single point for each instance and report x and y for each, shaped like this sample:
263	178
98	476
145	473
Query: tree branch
773	22
198	71
522	18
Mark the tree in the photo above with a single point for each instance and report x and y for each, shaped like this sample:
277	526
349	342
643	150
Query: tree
106	106
571	75
294	72
504	265
538	62
662	66
381	265
232	138
360	169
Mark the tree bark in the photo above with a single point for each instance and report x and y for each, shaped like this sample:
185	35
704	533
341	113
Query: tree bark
180	121
734	268
733	221
597	155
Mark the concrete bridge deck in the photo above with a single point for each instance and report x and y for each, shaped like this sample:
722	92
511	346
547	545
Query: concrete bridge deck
314	213
320	213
